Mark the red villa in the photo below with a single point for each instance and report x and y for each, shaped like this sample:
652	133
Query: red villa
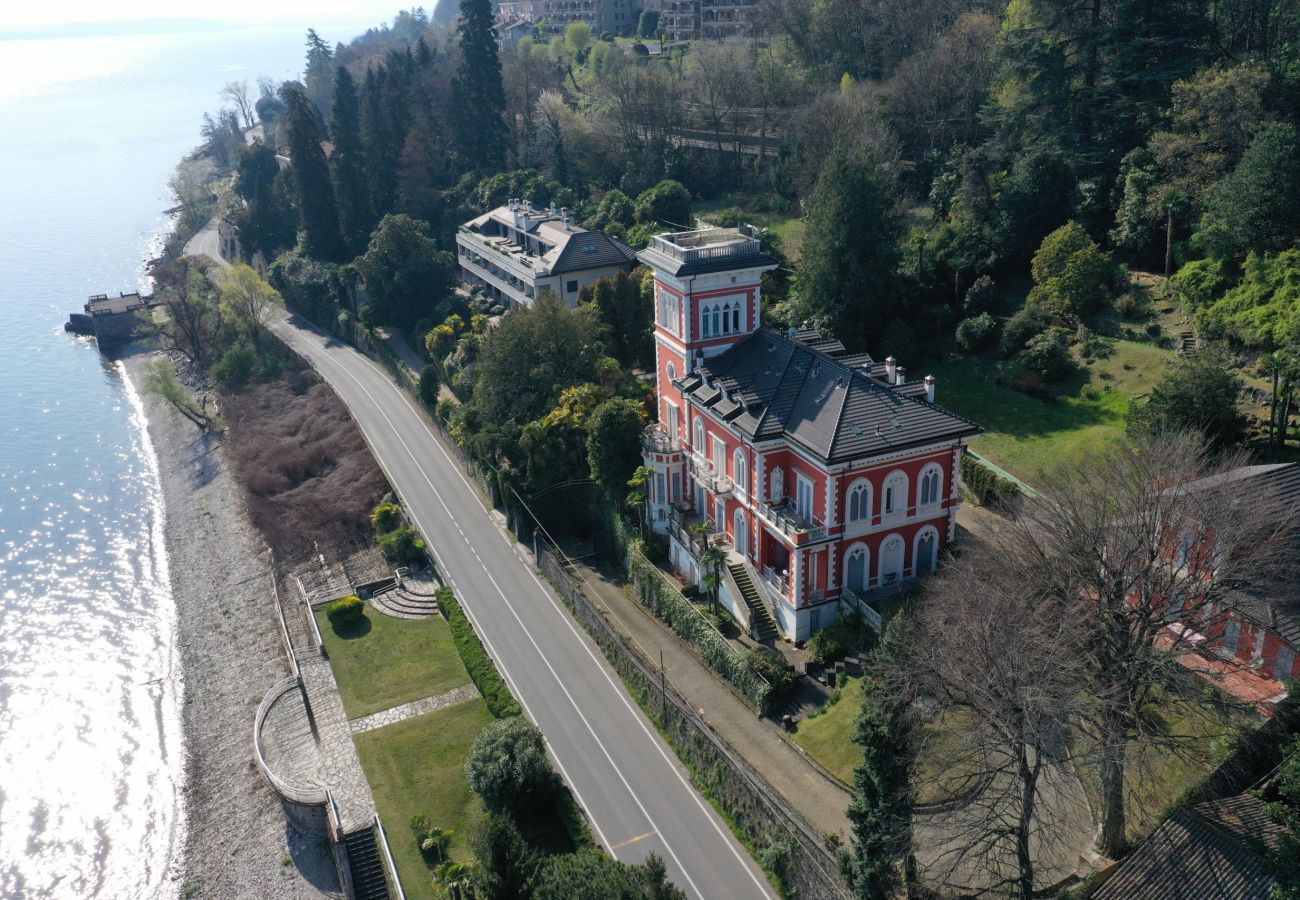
827	475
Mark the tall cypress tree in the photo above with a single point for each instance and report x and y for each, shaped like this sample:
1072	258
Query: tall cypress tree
356	217
881	809
479	95
318	74
311	175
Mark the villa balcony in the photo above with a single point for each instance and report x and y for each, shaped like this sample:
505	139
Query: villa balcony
655	439
785	518
703	471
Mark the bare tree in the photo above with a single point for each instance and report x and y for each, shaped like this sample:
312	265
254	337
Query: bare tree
193	316
160	380
989	655
1148	548
238	93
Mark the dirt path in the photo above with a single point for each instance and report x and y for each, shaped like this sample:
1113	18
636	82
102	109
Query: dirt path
238	841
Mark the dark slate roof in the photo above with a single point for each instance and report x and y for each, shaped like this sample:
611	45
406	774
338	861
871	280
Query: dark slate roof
591	250
1214	849
1275	483
807	388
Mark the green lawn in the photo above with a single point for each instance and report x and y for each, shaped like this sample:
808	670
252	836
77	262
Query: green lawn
387	662
828	737
1157	775
1024	434
788	228
417	767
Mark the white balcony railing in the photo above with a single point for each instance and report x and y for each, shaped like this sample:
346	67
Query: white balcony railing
785	518
655	439
704	472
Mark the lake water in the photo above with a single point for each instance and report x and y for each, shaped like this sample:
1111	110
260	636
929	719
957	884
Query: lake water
90	742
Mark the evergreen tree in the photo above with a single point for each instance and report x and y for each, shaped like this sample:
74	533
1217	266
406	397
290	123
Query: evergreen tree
881	809
356	218
1257	207
614	443
317	212
406	274
478	91
266	222
1199	394
318	74
845	280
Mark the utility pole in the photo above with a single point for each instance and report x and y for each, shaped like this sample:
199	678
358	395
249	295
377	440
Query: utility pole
663	689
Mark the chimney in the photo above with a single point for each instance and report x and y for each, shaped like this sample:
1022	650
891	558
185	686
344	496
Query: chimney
902	375
891	365
564	214
929	389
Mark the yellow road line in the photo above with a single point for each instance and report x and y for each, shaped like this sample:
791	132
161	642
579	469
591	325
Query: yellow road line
639	837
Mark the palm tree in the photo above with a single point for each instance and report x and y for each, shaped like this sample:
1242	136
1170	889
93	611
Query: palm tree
435	843
455	879
638	496
711	560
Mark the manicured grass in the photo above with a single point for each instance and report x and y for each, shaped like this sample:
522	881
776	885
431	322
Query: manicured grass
417	767
1159	774
1025	435
387	662
828	737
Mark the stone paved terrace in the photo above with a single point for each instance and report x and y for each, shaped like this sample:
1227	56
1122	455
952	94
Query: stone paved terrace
288	745
414	708
342	772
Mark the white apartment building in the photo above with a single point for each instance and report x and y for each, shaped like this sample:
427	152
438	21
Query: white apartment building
516	251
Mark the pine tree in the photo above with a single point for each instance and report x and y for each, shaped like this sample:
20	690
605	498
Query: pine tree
318	75
317	212
881	809
845	281
479	95
356	218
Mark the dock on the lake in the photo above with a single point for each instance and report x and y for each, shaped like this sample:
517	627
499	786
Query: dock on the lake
111	320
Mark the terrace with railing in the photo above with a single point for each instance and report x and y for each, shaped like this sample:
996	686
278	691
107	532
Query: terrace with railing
786	518
655	439
708	243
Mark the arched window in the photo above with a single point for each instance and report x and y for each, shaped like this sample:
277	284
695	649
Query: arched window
717	321
740	471
735	319
740	532
705	322
698	443
859	501
672	372
926	553
891	559
931	484
857	568
895	503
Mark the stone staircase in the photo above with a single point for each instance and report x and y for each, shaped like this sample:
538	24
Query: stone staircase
764	628
403	604
365	866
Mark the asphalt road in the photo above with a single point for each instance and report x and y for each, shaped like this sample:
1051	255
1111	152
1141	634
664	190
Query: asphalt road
637	795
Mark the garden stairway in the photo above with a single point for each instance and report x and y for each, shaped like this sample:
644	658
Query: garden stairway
764	628
365	866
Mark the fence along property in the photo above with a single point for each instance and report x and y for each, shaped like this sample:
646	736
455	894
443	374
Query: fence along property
669	605
780	839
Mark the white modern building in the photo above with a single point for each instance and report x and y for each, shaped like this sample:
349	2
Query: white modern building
516	251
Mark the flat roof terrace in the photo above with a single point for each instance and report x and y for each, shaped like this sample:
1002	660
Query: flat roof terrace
104	305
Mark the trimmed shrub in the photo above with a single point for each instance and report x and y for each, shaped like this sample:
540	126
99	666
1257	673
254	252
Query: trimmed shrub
977	333
236	366
848	634
402	545
1048	355
980	296
772	666
386	517
985	485
1027	324
429	384
345	613
508	768
500	702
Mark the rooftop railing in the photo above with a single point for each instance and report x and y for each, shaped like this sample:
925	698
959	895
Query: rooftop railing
708	243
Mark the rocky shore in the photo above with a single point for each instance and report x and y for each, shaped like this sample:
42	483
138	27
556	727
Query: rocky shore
239	841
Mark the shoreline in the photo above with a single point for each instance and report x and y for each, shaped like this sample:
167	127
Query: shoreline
233	838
